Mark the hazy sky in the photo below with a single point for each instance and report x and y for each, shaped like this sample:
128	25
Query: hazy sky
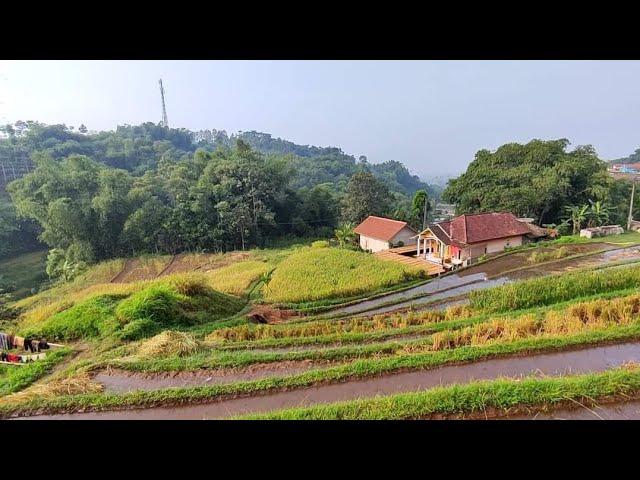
431	115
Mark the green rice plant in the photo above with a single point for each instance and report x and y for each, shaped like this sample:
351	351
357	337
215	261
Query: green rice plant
553	289
324	273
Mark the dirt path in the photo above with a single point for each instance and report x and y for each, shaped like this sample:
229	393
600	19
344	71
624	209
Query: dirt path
126	269
593	359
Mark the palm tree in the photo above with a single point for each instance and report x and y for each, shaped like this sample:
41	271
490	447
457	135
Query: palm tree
598	213
345	234
577	216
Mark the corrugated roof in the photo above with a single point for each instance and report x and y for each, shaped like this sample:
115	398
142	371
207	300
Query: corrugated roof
381	228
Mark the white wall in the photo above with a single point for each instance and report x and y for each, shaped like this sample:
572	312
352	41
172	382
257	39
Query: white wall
498	245
404	236
373	244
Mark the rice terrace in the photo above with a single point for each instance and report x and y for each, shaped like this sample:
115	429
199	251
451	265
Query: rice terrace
160	273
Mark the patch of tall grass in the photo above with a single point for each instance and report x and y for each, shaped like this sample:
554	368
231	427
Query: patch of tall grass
578	318
237	277
323	273
553	289
328	327
539	257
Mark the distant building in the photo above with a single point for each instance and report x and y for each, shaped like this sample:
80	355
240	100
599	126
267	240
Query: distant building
379	233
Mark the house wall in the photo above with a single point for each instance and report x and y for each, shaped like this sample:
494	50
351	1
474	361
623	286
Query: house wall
404	236
500	244
373	244
495	246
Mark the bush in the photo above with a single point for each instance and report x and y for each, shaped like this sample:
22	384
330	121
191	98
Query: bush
158	303
91	318
138	329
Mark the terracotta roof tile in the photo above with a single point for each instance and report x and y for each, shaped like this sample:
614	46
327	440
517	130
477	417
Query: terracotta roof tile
482	227
380	228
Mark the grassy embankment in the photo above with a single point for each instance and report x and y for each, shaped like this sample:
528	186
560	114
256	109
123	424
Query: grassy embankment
477	399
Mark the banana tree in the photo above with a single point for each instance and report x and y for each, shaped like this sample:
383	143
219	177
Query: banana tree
577	216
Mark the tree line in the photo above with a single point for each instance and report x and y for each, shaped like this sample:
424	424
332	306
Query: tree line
543	180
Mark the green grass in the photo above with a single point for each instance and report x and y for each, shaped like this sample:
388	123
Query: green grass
553	289
312	274
357	369
628	237
506	396
174	302
24	272
16	378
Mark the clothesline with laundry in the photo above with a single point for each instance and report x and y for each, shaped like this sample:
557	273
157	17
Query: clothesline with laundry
10	342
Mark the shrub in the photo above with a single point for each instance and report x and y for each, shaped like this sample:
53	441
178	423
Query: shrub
142	328
91	318
158	303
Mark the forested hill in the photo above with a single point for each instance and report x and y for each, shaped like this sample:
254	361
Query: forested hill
89	196
633	158
142	147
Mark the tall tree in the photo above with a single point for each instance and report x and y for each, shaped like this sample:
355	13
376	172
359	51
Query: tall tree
365	195
535	180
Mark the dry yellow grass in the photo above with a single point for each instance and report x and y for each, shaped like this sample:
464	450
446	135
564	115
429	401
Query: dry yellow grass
237	277
328	327
578	318
168	343
78	384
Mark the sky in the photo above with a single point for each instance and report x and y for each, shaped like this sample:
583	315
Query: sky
433	116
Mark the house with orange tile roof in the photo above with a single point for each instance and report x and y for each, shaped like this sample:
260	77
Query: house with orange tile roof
460	240
379	233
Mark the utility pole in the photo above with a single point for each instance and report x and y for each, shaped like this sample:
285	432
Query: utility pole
165	121
424	212
633	191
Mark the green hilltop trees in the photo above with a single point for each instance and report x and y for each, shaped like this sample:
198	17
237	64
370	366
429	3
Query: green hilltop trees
538	179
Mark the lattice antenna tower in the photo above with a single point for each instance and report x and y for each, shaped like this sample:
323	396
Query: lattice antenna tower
165	121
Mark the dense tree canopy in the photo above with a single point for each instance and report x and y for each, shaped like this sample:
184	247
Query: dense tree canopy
150	188
536	180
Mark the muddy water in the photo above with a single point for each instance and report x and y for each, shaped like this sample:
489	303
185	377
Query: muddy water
592	359
615	411
464	282
117	381
453	292
437	285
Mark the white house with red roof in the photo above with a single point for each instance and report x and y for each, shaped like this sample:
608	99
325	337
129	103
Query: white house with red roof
379	233
457	241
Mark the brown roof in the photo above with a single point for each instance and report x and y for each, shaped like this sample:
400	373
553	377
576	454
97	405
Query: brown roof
481	227
381	228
